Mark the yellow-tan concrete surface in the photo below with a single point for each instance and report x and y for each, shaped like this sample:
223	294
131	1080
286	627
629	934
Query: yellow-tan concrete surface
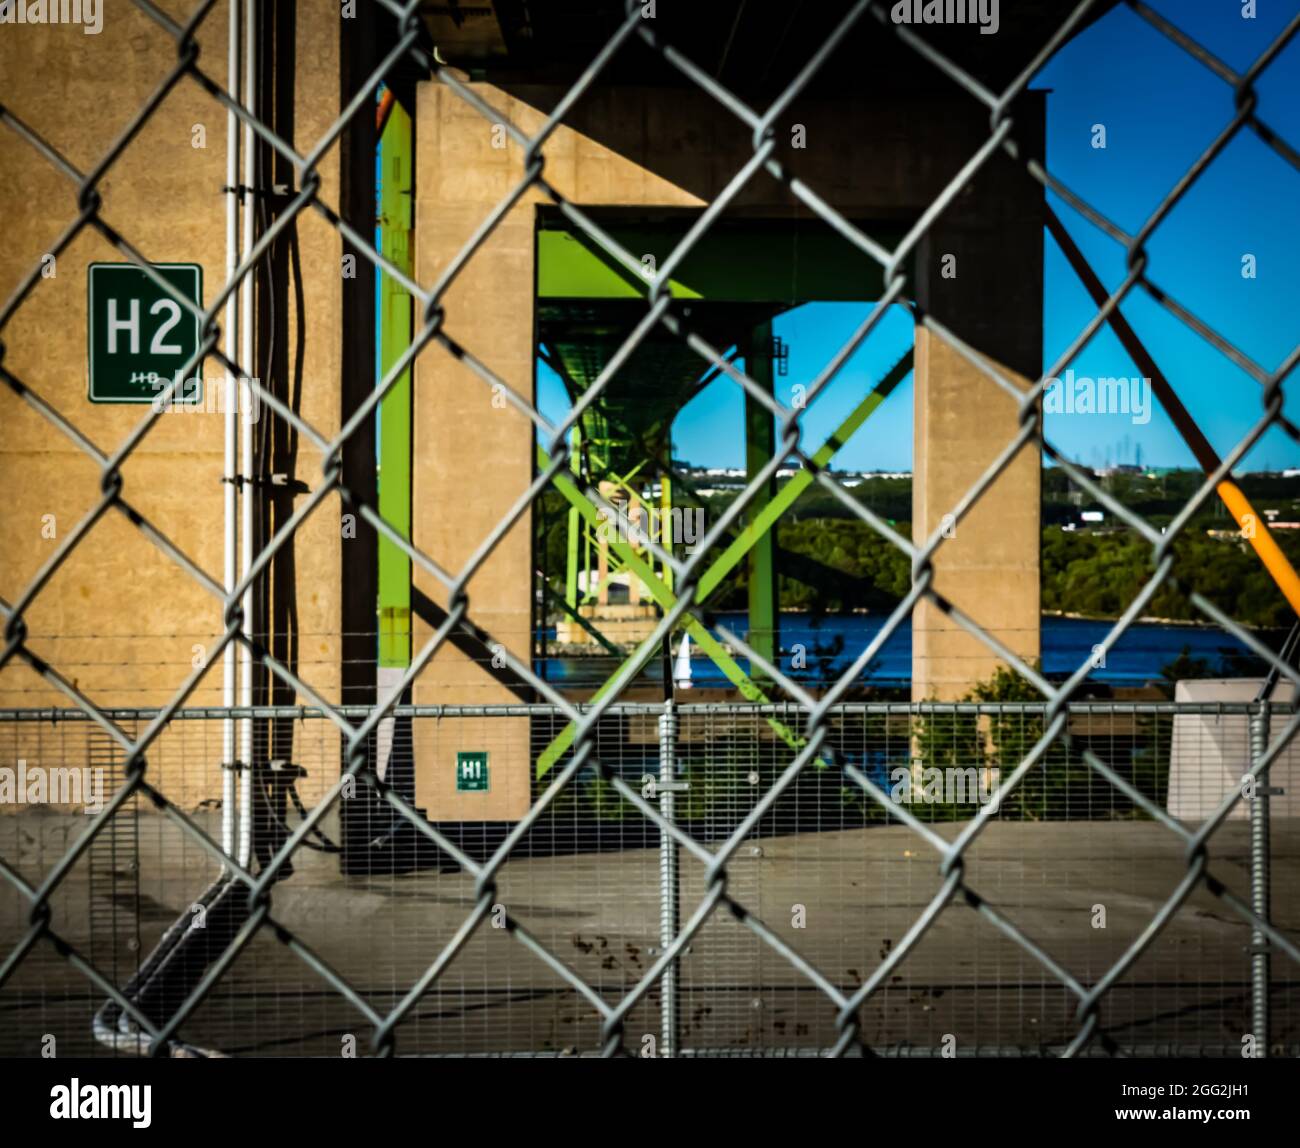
989	566
473	450
118	617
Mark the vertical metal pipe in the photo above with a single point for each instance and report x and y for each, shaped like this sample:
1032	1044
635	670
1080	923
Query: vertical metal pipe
1259	884
760	446
246	352
571	596
669	915
229	474
666	519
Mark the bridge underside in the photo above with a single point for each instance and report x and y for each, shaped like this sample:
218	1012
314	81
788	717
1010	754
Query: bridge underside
738	278
879	138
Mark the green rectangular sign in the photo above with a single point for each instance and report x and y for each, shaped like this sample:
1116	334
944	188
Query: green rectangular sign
140	337
472	771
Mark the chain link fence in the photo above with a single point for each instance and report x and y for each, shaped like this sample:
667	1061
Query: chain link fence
832	875
696	961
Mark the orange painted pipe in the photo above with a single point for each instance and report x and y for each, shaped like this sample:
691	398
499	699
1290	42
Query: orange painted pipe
1257	533
384	110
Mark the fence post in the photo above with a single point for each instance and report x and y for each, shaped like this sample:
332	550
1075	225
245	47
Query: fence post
668	881
1259	884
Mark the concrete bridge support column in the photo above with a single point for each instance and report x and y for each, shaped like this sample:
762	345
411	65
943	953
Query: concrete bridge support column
473	451
980	273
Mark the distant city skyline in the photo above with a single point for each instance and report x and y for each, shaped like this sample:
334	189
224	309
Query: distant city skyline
787	471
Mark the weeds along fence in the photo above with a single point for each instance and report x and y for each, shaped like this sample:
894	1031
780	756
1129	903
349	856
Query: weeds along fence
825	883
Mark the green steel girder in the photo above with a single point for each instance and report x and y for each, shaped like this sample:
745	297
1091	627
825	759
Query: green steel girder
799	482
721	566
737	275
585	623
633	414
665	598
396	155
735	261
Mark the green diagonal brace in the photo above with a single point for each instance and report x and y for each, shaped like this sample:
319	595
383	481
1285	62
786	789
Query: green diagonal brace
798	483
724	563
666	600
573	613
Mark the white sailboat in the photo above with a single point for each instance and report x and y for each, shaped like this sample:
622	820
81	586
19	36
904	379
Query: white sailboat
682	664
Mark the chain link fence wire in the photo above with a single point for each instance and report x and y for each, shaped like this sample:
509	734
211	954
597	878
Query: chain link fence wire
827	869
817	1001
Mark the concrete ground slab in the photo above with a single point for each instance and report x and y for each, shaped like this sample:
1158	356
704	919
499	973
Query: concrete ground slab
860	891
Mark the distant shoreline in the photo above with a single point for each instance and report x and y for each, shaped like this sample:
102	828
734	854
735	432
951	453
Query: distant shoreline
1070	615
1189	623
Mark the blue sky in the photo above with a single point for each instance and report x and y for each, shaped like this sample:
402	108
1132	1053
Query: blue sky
1161	108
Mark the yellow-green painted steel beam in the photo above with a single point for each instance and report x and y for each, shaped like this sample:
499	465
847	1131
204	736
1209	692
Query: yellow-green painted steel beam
725	562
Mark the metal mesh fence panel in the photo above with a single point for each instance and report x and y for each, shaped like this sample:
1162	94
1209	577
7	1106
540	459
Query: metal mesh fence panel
836	876
936	928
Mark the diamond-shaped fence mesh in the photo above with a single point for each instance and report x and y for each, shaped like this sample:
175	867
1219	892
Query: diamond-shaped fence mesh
937	930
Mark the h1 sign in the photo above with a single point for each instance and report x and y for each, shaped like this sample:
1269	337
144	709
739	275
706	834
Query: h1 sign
472	771
140	337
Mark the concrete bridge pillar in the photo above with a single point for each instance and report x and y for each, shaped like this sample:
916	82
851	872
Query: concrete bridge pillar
980	273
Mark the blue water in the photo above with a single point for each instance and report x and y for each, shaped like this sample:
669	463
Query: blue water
1139	656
